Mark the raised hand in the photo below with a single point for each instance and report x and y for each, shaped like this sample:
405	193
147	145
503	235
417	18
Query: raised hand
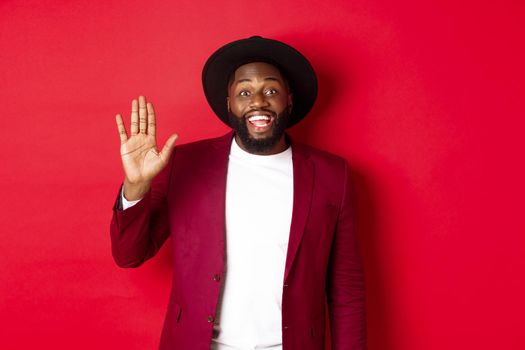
140	157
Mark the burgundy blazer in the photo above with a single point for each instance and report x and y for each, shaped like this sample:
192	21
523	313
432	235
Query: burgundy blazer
187	202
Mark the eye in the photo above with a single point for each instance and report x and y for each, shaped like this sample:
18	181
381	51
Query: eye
270	92
244	93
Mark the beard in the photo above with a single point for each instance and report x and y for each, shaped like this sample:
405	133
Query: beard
259	145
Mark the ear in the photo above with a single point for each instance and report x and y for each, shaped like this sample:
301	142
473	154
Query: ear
290	102
228	103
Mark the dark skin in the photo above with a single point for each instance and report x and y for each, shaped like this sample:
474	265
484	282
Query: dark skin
257	90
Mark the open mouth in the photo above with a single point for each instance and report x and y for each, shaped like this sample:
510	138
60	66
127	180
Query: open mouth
260	121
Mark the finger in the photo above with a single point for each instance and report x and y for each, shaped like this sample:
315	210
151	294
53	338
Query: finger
151	120
134	117
121	129
168	148
143	115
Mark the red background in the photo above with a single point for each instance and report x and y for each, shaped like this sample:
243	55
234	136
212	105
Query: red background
424	98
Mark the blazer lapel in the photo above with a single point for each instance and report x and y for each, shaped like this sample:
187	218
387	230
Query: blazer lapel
216	160
214	185
303	180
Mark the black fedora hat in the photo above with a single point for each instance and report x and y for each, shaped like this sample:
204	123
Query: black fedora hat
290	62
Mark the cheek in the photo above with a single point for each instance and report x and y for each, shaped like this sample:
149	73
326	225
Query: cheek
280	104
237	107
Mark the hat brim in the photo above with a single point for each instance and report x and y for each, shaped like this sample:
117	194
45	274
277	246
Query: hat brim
292	64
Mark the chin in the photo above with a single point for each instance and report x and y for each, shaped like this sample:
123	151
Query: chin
258	143
262	136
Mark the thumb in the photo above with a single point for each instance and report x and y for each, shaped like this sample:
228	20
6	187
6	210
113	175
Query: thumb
168	147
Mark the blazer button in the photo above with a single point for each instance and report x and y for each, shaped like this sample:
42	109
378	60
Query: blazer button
216	277
211	318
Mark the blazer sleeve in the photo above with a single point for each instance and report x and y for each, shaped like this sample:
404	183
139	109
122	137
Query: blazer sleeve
345	282
138	232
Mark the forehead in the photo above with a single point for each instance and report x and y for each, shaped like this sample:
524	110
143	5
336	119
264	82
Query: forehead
257	71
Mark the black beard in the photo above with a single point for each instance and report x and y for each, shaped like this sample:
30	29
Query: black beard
259	146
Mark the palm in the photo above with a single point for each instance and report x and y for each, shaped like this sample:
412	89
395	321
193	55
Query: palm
141	159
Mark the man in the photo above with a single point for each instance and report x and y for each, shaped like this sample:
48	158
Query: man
262	228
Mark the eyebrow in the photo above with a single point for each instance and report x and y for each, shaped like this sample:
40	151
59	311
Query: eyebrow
249	80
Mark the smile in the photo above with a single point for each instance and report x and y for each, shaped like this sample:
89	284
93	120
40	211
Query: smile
260	120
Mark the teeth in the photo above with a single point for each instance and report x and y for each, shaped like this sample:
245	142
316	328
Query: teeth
258	117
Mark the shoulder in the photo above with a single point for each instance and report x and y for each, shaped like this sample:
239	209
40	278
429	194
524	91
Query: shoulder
319	157
331	171
203	145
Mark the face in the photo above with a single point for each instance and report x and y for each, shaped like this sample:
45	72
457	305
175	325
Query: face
259	104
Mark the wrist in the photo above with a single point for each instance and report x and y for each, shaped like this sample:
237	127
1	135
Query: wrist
135	191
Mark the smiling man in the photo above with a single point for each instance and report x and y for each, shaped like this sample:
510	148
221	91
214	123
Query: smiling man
262	227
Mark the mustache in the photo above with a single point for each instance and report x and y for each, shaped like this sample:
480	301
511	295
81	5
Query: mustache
259	110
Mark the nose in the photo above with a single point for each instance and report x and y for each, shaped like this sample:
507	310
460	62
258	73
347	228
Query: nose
258	100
